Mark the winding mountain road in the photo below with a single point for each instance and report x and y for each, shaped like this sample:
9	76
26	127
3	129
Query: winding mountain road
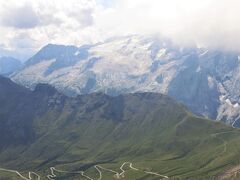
106	169
216	135
53	175
130	165
156	174
121	174
21	176
98	168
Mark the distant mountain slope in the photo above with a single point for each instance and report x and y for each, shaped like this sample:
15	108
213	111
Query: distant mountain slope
206	81
8	65
43	128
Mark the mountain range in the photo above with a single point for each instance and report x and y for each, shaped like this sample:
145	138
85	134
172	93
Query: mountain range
205	80
9	65
47	134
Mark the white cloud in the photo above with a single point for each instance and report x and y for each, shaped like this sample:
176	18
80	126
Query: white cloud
27	25
19	17
212	23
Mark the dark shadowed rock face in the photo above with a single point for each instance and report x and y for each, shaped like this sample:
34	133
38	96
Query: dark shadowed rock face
18	107
21	109
16	117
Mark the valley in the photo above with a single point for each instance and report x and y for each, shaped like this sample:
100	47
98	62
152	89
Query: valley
138	135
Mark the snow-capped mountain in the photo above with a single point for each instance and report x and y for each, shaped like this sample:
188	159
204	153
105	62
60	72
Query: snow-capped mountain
8	65
206	81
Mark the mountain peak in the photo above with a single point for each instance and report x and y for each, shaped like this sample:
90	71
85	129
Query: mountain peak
52	51
57	46
61	55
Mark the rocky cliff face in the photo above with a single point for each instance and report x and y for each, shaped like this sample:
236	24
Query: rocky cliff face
207	81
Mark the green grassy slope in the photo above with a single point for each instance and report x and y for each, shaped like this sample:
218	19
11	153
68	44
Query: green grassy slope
150	130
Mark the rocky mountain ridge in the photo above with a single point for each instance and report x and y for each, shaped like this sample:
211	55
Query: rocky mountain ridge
206	81
44	129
